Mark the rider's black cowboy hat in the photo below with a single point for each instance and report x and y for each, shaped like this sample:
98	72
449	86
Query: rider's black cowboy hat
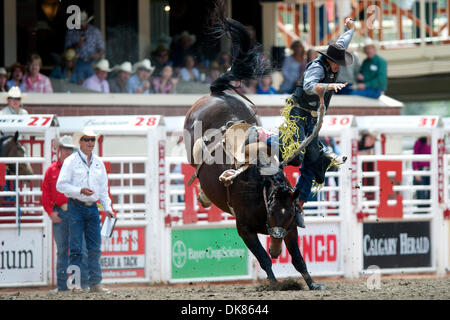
338	54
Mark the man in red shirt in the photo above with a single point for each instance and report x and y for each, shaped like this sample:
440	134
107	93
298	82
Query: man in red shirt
55	204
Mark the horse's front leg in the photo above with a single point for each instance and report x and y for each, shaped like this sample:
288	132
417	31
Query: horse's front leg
291	241
254	245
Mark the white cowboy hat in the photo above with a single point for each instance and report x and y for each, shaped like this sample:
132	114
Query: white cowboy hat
80	134
84	17
103	65
3	71
185	34
144	64
66	142
15	93
125	67
369	42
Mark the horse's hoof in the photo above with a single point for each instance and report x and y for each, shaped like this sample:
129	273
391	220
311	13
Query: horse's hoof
317	286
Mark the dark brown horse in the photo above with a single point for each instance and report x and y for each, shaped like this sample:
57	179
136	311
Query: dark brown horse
11	147
262	204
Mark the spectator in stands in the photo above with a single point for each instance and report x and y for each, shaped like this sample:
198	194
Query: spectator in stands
97	82
68	70
165	83
366	143
3	80
55	204
293	67
83	179
119	83
183	46
349	74
366	146
422	146
189	72
14	103
17	71
160	59
139	82
373	73
88	44
35	81
214	72
265	85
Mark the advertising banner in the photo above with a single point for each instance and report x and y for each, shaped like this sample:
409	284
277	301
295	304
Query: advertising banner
21	256
320	248
207	253
123	255
397	244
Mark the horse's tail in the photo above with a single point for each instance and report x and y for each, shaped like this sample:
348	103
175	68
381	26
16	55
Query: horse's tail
247	59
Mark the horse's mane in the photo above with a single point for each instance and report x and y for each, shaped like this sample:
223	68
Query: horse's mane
247	59
254	182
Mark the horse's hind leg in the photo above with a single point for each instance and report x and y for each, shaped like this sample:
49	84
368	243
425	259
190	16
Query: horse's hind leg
254	245
291	241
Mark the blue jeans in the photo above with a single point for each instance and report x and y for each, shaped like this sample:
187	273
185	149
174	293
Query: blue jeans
422	194
368	92
61	234
85	223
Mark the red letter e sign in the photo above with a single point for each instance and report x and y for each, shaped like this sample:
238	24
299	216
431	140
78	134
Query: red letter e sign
386	189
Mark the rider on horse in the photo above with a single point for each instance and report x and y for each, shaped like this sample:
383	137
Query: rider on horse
301	112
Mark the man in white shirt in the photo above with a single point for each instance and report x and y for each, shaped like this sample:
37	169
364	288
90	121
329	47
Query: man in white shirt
84	181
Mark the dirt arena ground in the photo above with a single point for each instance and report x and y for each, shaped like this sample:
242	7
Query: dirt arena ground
415	287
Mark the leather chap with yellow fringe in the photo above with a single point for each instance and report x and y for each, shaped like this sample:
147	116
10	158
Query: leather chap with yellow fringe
289	130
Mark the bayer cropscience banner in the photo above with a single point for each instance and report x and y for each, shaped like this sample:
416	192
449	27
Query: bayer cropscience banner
208	253
397	244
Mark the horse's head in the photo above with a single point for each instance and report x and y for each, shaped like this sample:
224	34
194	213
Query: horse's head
10	147
280	201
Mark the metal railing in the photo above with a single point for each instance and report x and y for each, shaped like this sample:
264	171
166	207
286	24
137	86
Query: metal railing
391	22
369	186
20	198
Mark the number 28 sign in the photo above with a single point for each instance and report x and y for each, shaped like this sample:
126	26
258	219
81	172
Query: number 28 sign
146	121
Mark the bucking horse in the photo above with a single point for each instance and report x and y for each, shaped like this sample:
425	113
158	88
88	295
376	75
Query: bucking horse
262	203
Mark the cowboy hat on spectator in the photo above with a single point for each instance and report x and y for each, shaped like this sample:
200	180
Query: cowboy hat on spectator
144	64
369	42
125	67
84	18
66	142
3	71
80	134
102	65
15	93
185	34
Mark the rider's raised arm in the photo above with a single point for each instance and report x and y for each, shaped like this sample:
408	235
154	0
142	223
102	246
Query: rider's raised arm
345	38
